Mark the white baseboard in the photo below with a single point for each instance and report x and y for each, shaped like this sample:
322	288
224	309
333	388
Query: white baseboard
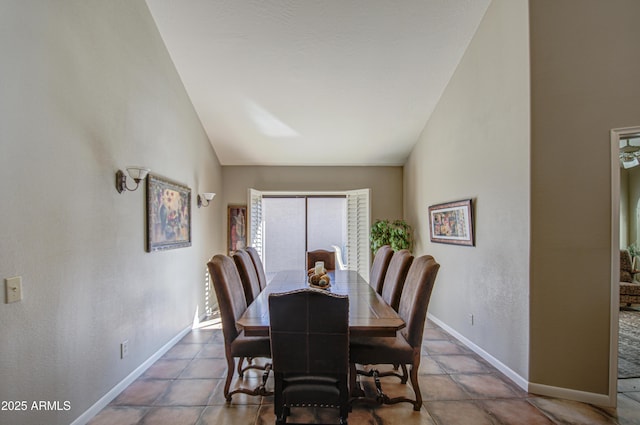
517	379
540	389
568	394
113	393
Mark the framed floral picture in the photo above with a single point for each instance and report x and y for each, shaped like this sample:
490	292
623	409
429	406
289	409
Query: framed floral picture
452	223
236	227
168	214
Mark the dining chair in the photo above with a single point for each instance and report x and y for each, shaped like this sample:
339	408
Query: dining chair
395	276
309	331
405	347
232	303
257	262
329	258
379	267
252	288
248	275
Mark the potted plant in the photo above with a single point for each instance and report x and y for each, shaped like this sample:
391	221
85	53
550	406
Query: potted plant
395	233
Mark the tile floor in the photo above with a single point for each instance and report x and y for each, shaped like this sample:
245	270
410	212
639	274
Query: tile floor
185	386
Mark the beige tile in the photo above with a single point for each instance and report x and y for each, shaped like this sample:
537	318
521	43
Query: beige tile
172	416
459	413
401	413
198	336
571	412
142	392
166	368
441	387
187	392
428	366
515	412
115	415
183	351
212	351
236	415
461	364
204	368
487	386
435	347
433	333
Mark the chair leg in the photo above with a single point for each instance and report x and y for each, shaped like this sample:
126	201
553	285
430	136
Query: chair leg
259	390
240	370
230	368
354	388
405	374
416	387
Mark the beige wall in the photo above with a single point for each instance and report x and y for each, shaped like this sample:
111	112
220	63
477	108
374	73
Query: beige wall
87	88
385	184
584	82
476	145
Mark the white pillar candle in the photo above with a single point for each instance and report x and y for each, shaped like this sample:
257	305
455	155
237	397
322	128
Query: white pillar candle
319	267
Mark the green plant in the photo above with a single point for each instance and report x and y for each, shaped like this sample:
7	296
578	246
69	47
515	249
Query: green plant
634	250
396	233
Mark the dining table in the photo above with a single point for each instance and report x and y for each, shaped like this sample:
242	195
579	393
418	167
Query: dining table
369	314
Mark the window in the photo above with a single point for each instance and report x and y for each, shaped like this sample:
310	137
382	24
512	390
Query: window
291	224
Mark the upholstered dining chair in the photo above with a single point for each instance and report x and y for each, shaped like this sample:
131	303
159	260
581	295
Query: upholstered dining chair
405	347
310	355
395	277
252	288
248	275
329	258
231	301
257	262
379	267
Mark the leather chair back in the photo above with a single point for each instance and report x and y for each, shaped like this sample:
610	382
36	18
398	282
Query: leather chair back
379	267
329	258
394	279
415	298
230	294
310	350
309	331
248	275
257	262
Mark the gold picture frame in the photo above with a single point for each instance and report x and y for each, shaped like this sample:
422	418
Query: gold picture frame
168	214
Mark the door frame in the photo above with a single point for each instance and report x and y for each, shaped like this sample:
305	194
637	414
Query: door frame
616	134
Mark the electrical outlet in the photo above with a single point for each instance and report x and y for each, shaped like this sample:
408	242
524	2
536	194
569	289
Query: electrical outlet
124	349
471	319
14	289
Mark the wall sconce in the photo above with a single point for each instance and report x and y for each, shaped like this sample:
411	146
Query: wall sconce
136	173
208	196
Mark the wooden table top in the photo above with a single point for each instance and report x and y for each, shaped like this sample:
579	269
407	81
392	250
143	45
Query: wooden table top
369	314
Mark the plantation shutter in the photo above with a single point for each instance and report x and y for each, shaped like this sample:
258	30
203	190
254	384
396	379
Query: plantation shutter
358	224
255	230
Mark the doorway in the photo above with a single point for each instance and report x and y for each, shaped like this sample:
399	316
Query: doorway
624	156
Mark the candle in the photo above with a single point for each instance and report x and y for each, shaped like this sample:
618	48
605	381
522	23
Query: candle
319	267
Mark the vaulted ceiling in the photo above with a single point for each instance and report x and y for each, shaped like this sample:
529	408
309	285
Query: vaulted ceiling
315	82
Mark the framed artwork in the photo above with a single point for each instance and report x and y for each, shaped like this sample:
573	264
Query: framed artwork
452	223
236	227
168	214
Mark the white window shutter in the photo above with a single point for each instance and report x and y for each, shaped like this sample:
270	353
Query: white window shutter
358	226
255	230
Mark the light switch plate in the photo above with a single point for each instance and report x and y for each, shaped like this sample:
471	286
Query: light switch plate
14	289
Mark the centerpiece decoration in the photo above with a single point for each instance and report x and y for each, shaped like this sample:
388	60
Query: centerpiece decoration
318	277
